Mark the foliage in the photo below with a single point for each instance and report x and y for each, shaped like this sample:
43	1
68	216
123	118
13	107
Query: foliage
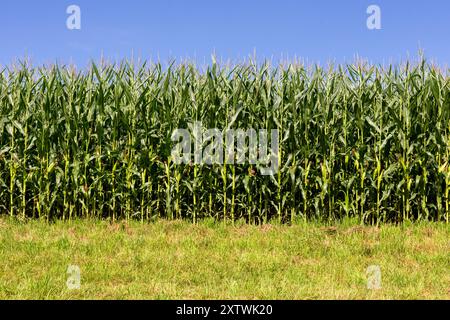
358	141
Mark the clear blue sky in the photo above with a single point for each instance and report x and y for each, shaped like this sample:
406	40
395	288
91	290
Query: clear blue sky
316	30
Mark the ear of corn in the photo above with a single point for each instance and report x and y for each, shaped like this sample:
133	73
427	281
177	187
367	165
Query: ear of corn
356	141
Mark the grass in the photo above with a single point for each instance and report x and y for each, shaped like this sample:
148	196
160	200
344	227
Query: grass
178	260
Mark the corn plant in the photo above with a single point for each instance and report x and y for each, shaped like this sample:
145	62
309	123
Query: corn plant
357	140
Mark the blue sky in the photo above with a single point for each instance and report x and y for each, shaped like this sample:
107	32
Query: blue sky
315	30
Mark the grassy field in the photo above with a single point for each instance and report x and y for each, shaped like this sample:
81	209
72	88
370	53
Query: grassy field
178	260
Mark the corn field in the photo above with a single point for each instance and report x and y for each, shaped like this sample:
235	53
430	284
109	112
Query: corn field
361	141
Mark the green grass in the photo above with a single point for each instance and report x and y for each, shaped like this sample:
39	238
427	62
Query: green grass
178	260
